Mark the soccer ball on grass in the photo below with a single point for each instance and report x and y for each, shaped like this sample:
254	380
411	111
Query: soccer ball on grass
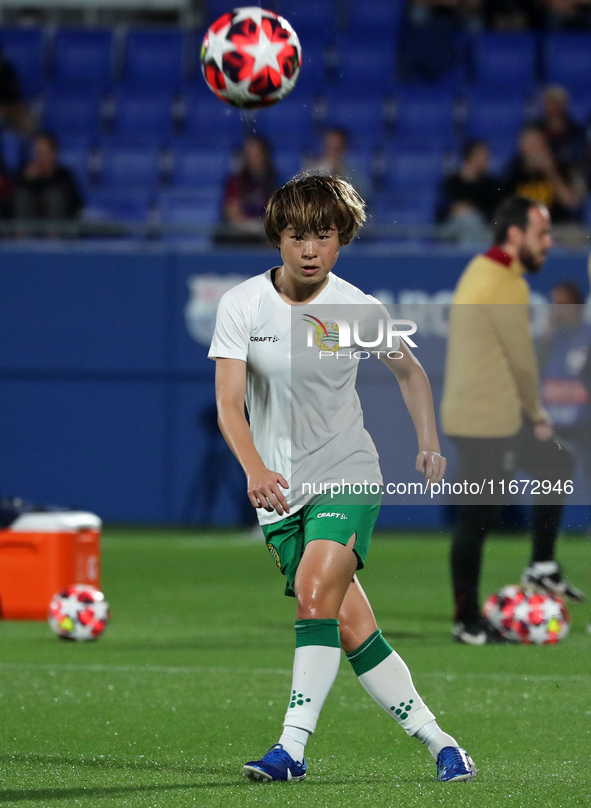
525	616
79	612
251	57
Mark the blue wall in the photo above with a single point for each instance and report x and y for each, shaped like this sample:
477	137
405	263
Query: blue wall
106	400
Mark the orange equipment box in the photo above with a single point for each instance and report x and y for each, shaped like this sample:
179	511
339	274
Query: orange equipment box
41	553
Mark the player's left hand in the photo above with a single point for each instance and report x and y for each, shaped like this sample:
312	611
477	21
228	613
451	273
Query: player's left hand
432	465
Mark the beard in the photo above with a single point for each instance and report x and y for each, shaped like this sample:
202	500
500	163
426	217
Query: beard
532	263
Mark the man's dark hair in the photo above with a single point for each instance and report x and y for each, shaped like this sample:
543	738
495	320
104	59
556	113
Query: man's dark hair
512	211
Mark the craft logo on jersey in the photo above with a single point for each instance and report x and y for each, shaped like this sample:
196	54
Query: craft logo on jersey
326	335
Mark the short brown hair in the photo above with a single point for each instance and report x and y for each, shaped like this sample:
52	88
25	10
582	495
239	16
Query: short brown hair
314	203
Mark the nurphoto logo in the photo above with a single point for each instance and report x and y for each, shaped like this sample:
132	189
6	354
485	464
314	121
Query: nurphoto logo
332	335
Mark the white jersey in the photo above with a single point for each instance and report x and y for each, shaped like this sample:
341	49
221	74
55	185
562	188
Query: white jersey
305	416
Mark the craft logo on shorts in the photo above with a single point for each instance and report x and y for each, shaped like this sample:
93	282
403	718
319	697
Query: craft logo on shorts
334	515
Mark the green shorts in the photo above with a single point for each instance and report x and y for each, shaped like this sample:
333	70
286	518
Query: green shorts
322	517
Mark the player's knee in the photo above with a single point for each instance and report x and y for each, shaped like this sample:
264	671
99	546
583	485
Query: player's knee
315	604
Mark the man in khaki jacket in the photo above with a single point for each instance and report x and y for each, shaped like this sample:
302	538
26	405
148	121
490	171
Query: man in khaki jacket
492	412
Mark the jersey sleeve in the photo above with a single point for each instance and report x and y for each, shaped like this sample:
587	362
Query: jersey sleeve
232	331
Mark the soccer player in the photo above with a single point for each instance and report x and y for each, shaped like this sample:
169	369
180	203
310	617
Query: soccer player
492	412
306	421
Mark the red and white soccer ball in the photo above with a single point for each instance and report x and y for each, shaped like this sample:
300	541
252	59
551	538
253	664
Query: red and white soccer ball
79	612
251	57
524	616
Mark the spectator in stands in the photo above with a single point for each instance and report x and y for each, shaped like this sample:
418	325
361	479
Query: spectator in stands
334	160
514	15
12	107
568	15
565	136
246	194
469	197
44	188
6	191
537	174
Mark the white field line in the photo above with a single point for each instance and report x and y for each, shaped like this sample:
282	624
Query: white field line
196	670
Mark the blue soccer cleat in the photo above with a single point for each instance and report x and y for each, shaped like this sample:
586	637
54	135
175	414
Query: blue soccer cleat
455	764
276	765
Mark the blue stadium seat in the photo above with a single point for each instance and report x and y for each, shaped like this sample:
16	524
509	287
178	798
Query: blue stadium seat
25	49
311	16
362	116
75	155
413	172
288	123
374	17
193	166
580	106
313	73
209	120
118	205
155	59
72	113
14	150
494	116
505	60
127	165
400	209
186	218
423	119
288	163
83	57
205	193
364	67
502	151
567	60
141	114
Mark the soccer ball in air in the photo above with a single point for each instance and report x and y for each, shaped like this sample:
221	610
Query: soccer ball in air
251	57
524	616
79	612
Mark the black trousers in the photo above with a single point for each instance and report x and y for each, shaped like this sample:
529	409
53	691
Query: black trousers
496	459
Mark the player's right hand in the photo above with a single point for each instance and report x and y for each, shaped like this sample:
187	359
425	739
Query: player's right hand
264	491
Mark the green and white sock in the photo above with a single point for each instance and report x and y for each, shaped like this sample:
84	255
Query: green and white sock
315	666
386	677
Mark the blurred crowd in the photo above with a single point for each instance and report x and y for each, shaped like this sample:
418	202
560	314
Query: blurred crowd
42	188
505	15
549	161
551	165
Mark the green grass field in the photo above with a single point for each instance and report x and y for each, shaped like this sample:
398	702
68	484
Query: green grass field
192	676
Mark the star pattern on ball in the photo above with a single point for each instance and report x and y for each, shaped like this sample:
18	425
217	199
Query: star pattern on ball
254	13
265	53
251	58
218	45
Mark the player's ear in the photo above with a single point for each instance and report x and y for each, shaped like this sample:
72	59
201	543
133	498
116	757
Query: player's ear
514	234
